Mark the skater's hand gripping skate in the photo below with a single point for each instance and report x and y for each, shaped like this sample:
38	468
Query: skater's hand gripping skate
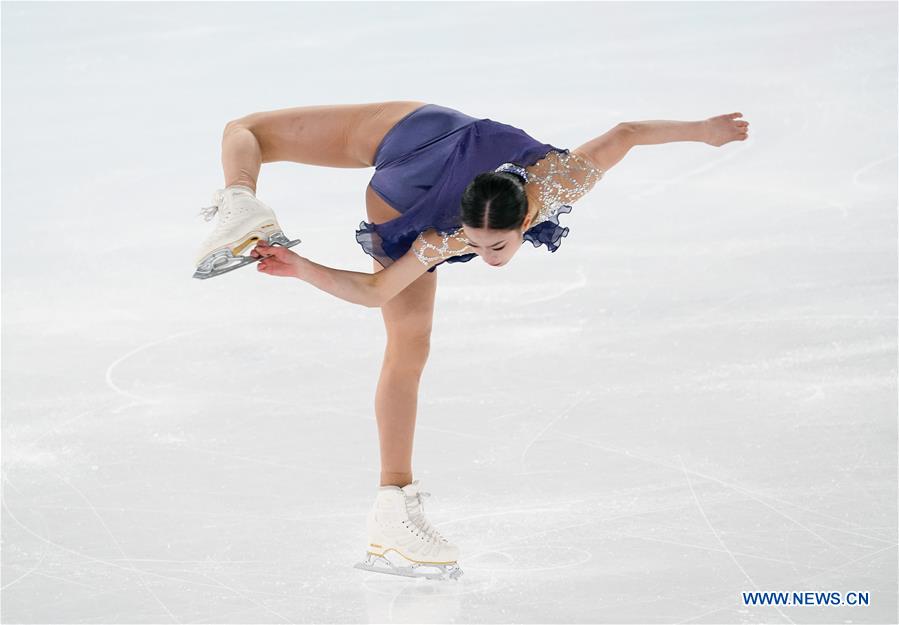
276	260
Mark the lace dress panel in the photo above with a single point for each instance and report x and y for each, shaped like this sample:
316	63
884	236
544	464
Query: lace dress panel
432	247
561	178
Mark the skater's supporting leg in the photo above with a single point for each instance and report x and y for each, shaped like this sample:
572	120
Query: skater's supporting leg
396	479
407	318
337	135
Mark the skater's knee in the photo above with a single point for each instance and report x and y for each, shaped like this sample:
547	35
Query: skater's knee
246	122
408	351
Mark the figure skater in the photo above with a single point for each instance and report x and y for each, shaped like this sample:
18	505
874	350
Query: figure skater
447	187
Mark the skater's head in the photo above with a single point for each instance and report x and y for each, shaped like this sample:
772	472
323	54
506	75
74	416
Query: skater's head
495	216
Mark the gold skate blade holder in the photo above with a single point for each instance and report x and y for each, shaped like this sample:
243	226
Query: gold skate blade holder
224	260
379	563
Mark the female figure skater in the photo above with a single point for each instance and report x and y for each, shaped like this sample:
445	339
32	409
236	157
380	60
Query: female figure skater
447	187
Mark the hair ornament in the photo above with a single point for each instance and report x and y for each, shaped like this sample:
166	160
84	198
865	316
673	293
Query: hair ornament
512	168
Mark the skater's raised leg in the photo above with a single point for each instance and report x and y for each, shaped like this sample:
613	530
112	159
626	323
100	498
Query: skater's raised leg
337	135
342	135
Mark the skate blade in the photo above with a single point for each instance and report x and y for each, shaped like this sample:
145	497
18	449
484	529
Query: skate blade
225	260
379	564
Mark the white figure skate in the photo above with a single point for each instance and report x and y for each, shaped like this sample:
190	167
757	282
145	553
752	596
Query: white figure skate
401	541
242	220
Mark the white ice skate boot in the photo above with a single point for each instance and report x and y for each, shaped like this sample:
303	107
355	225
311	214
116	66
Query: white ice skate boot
242	220
401	540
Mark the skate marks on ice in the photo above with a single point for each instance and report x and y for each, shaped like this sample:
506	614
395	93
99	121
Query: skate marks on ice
44	462
752	495
138	399
662	510
46	547
863	171
514	295
579	398
720	541
113	381
172	577
603	521
20	452
799	579
130	567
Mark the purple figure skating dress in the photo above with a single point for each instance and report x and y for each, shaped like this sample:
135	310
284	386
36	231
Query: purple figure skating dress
425	162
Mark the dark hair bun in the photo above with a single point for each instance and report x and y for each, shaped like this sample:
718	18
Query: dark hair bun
495	200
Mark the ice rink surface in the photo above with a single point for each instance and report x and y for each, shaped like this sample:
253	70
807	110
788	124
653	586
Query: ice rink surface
693	398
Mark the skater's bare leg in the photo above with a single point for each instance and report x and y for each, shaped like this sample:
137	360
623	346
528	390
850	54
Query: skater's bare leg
407	319
241	156
337	135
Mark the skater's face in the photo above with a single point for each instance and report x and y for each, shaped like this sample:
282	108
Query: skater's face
496	247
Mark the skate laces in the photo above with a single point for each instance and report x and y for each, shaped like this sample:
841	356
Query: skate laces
421	521
223	201
209	212
218	199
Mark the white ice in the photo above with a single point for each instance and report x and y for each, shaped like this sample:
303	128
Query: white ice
694	397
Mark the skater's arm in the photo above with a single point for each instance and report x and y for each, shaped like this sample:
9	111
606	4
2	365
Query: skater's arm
400	274
608	149
371	290
353	286
374	290
715	131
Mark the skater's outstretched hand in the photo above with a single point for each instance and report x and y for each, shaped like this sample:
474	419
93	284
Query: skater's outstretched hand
276	260
723	129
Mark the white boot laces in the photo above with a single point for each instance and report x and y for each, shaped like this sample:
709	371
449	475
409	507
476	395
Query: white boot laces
209	212
218	200
421	522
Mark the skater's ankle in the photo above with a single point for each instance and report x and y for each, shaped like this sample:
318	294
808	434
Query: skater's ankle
247	183
389	478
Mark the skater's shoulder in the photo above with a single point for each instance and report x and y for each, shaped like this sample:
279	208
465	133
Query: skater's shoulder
558	179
